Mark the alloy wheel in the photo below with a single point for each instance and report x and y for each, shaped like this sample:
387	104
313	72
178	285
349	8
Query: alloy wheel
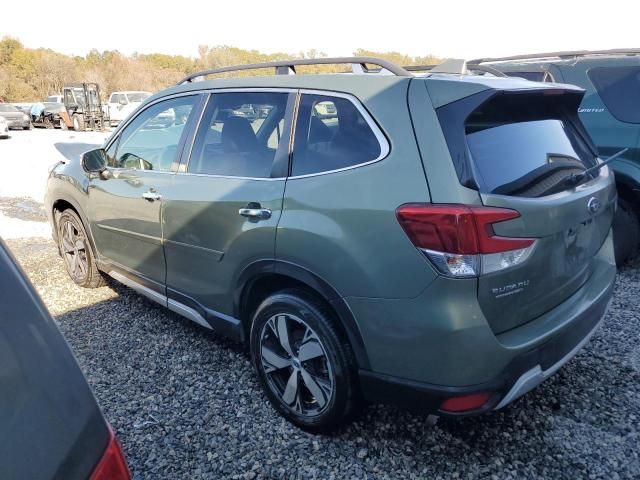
74	250
296	365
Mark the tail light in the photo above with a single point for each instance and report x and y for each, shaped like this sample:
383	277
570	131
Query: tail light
459	239
112	465
465	403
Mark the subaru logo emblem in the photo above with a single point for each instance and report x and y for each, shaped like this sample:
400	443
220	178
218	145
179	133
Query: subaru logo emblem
593	205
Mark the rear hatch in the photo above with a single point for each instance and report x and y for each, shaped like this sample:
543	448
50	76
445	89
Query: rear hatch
519	148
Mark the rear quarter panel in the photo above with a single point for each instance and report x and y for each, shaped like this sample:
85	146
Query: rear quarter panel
342	225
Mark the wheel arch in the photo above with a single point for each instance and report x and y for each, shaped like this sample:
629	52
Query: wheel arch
265	277
60	205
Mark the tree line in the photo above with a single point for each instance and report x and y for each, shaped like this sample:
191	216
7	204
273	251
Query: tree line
28	74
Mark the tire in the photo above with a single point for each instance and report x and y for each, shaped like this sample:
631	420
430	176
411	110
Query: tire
319	393
626	232
76	252
78	123
29	127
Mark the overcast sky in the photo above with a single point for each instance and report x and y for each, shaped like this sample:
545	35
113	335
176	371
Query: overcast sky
461	29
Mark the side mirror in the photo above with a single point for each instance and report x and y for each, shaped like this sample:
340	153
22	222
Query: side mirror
95	161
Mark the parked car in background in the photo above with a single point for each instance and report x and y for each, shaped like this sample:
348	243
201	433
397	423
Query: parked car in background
51	426
121	104
610	111
15	118
4	128
441	242
54	99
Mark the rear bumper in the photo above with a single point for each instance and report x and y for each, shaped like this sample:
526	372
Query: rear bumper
18	123
525	372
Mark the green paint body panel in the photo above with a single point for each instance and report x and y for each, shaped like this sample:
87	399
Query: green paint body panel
445	339
126	228
207	242
341	228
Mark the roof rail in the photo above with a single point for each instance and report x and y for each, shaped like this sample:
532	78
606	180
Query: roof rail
561	54
287	67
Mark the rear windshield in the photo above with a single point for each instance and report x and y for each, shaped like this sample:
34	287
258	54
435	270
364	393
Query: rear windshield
619	89
525	145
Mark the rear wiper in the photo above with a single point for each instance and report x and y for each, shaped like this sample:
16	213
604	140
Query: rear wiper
575	179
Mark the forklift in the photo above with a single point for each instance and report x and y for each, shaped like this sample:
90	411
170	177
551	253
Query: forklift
83	109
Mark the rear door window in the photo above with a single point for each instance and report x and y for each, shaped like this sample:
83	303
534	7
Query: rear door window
619	89
332	133
526	146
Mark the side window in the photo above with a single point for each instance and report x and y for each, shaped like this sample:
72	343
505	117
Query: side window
150	141
619	89
331	133
239	134
68	97
113	98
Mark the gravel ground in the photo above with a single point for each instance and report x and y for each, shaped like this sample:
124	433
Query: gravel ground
185	403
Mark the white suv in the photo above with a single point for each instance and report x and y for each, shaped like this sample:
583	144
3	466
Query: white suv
121	104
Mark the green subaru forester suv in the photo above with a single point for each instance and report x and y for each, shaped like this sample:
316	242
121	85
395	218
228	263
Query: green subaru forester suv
610	111
438	241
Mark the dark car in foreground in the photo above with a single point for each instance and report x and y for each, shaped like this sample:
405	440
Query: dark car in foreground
50	424
439	241
15	118
610	111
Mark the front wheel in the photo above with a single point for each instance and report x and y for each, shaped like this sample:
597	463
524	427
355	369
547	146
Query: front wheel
78	123
76	252
626	232
304	363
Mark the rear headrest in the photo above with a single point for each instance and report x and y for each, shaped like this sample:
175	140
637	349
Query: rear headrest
238	136
318	131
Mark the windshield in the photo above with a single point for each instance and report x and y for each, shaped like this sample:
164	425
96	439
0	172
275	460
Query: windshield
138	96
8	108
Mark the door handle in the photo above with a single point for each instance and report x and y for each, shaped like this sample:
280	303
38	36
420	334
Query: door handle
254	210
151	195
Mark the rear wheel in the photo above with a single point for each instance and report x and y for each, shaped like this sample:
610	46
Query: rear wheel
76	252
29	127
78	123
626	232
304	363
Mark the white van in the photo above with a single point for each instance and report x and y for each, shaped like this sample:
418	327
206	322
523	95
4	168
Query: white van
121	104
